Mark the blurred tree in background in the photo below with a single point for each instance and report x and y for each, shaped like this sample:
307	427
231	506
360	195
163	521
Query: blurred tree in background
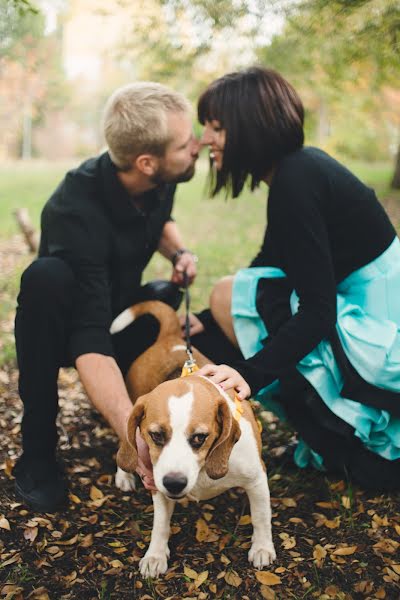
342	55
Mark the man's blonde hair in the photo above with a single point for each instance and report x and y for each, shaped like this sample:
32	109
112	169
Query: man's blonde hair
135	120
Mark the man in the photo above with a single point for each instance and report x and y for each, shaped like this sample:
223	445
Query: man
99	230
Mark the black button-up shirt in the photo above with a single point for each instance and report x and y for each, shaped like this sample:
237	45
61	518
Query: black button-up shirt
92	223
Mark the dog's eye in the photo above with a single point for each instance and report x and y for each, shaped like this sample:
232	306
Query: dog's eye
158	437
197	440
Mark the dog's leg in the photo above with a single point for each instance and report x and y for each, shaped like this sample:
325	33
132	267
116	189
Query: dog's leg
125	481
155	561
262	551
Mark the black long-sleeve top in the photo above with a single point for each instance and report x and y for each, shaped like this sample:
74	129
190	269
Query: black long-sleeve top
93	224
322	224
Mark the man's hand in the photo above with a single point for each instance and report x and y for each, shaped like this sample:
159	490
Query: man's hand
195	325
227	378
144	468
185	262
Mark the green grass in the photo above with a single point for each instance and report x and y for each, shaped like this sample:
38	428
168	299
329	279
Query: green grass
225	234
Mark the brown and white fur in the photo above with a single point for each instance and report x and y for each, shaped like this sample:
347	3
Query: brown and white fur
197	448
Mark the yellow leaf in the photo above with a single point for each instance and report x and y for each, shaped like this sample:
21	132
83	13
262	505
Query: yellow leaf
380	594
289	502
396	568
289	543
4	524
346	502
202	530
75	499
213	588
319	552
332	524
267	593
345	550
245	520
233	578
95	493
201	579
190	573
332	591
267	578
327	504
280	570
116	564
224	559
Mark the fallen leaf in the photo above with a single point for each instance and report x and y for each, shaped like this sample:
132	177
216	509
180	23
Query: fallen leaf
4	524
267	578
201	579
245	520
345	550
233	578
95	493
190	573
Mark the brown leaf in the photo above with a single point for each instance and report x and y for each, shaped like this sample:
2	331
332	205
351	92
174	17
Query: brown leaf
75	499
191	573
95	493
387	546
332	524
30	533
289	543
288	502
327	504
319	554
332	591
245	520
267	578
267	593
4	524
345	550
233	578
87	541
201	579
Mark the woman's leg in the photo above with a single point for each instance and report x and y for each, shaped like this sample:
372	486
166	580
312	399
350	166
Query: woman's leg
220	305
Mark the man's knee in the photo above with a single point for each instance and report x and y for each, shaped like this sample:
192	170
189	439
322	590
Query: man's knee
46	278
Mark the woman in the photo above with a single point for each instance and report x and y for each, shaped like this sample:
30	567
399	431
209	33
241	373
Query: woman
318	310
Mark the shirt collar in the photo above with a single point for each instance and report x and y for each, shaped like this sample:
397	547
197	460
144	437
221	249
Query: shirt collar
116	198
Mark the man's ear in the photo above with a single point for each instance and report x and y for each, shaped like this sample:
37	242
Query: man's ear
217	461
146	164
127	456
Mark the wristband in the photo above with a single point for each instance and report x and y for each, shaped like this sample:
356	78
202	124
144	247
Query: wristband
176	255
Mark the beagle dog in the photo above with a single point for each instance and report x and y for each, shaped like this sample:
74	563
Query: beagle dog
202	441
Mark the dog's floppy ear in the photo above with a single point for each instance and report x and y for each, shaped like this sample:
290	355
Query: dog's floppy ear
217	461
127	457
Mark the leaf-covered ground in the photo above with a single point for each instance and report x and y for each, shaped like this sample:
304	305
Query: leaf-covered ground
333	541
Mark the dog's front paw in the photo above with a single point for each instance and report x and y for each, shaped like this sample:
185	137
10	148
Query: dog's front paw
125	481
153	566
262	556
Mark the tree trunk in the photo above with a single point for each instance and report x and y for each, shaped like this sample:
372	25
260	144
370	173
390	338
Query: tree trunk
395	185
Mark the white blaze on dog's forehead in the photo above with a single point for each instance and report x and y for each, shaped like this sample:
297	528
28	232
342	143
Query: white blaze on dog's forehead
180	409
123	320
178	347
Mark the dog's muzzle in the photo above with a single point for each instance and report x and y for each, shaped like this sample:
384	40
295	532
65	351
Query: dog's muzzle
175	483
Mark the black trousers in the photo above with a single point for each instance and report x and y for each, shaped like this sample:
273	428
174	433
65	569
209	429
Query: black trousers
42	329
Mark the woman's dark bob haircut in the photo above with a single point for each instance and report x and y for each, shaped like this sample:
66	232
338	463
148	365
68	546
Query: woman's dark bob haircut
263	119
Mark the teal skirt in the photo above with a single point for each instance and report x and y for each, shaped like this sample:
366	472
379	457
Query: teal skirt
368	327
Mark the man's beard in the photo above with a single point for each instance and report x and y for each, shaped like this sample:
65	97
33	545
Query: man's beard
163	176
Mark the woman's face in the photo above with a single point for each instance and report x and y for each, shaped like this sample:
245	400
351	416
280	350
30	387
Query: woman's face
214	137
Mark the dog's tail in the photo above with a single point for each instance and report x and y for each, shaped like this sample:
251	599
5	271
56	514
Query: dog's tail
166	316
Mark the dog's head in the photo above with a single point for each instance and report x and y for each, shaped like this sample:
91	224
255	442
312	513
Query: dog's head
187	425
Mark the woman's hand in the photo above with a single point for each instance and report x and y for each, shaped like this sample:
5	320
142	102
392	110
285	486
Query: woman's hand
144	468
227	378
196	326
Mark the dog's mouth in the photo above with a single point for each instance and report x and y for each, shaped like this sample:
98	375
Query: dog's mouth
176	496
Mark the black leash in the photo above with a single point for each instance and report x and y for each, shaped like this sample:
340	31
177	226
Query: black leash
190	360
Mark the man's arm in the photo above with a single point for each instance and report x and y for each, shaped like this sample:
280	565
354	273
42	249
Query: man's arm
171	246
104	384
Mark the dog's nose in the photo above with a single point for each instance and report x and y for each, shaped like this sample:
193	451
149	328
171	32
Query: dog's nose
174	483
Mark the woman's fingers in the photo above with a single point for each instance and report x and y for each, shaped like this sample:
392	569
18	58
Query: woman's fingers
227	378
